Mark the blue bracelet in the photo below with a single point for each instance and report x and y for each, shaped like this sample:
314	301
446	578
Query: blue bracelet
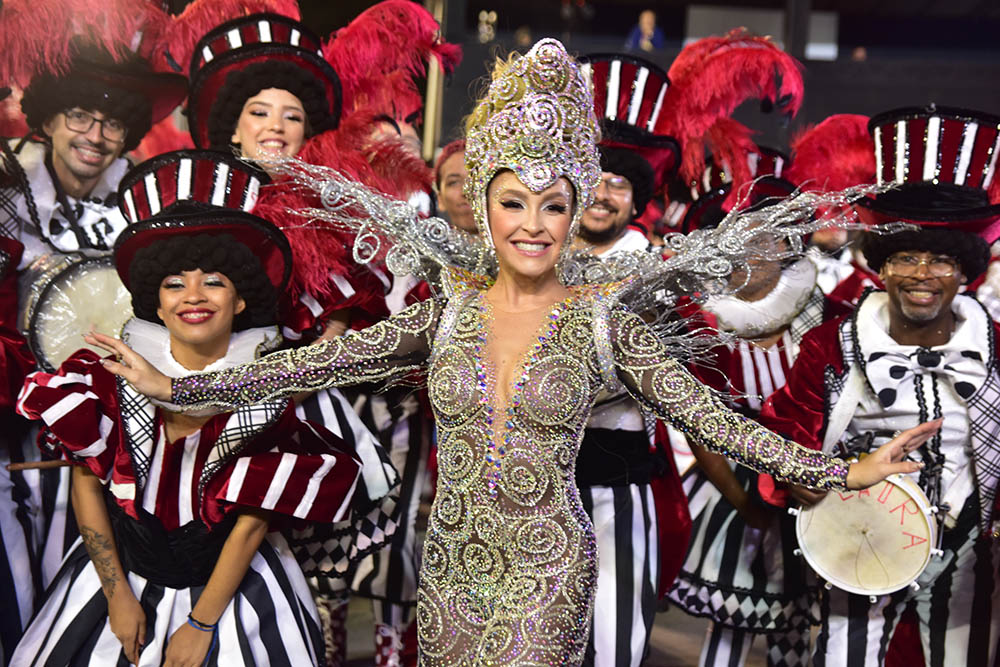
205	627
198	625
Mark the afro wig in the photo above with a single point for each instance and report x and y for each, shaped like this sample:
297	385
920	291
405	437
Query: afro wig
244	83
972	252
211	253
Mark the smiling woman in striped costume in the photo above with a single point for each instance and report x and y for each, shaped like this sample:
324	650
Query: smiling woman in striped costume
178	562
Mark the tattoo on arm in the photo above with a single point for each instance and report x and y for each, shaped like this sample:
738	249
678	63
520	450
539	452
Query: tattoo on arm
102	552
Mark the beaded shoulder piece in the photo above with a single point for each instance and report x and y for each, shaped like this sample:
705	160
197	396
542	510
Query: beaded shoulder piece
651	282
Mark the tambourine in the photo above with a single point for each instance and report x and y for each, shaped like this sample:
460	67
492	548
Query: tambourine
871	542
63	297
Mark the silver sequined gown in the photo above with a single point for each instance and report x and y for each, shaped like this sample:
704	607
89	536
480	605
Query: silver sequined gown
509	564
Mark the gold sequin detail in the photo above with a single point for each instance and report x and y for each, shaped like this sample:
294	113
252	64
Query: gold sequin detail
508	577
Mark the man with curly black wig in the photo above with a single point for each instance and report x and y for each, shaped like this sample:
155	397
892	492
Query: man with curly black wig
63	176
58	205
920	350
626	187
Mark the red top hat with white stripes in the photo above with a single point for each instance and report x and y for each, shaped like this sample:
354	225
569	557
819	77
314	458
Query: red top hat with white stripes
943	163
259	39
203	192
628	101
710	192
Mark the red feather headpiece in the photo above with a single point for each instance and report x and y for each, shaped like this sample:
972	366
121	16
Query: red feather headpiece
835	154
380	53
709	79
39	35
386	165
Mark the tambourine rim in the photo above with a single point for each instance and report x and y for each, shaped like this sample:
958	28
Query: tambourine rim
922	502
32	337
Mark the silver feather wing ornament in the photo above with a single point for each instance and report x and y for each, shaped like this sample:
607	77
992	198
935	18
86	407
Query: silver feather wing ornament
698	265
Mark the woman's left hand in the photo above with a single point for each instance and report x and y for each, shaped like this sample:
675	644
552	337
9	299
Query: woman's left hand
187	647
888	459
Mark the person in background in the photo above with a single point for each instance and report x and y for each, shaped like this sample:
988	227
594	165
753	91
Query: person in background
449	178
181	560
917	350
58	207
740	570
646	35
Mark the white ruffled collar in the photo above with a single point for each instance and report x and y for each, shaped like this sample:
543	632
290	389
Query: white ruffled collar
753	319
972	326
152	341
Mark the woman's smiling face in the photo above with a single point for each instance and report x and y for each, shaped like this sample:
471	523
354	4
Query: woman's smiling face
273	122
198	309
529	229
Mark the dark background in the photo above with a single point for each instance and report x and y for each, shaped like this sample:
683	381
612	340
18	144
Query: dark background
918	51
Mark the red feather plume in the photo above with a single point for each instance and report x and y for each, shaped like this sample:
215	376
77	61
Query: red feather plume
709	79
835	154
173	38
379	53
163	137
38	35
12	123
317	249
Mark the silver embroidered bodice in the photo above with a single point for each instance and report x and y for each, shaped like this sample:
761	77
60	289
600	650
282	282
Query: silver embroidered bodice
509	564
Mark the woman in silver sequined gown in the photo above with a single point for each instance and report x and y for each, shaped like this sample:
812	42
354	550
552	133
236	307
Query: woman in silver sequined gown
509	565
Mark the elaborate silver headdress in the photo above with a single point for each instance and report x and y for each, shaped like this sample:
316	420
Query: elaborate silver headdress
537	119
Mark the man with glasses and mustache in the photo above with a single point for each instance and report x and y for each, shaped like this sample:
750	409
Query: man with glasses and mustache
621	470
626	187
58	205
916	351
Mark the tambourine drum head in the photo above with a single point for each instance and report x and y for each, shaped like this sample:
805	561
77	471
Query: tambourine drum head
85	295
870	542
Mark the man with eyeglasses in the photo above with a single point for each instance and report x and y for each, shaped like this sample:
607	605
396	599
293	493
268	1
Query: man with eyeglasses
64	175
626	187
917	351
621	467
58	206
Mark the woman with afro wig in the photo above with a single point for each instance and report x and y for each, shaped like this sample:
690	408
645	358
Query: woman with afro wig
180	561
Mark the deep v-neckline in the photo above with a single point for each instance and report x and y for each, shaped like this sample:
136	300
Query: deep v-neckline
498	438
522	361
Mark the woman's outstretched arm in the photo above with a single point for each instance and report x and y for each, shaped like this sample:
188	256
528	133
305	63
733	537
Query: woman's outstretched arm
661	383
392	348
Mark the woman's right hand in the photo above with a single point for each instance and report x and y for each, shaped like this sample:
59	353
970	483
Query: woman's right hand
128	622
132	366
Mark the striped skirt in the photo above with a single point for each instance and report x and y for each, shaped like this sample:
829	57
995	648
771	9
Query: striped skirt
271	619
628	563
738	576
36	529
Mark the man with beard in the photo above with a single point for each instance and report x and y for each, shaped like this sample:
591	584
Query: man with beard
917	351
626	187
58	210
621	472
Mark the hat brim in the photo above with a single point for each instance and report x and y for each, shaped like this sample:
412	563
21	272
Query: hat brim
263	239
209	81
983	221
165	91
765	189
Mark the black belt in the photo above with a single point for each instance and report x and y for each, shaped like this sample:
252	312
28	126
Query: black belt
178	558
610	457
